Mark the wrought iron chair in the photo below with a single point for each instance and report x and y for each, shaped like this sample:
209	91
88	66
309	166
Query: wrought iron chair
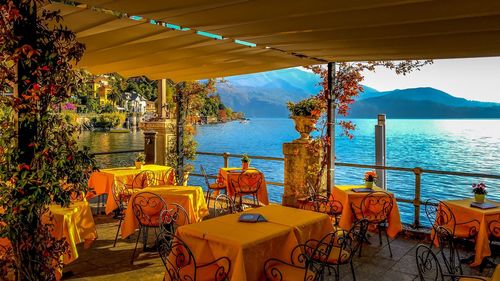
323	204
167	178
444	225
429	268
494	230
181	265
147	208
211	187
248	184
144	179
224	205
375	207
121	195
172	217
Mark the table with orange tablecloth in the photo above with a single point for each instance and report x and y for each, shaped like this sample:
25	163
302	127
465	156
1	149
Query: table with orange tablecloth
464	212
191	198
346	196
103	180
250	245
75	224
227	174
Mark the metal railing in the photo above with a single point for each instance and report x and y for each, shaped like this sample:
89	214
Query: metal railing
417	171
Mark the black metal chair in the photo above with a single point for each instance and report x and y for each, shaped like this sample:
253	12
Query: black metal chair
429	268
224	205
121	195
248	184
172	217
166	178
375	207
444	225
211	187
147	209
144	179
323	204
181	265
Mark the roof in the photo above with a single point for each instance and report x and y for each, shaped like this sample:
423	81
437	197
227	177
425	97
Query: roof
283	34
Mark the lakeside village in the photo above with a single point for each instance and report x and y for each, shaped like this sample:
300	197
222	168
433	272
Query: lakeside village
113	103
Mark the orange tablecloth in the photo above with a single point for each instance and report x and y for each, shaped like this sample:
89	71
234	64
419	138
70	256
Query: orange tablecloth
346	196
464	212
75	224
103	180
249	245
189	197
228	174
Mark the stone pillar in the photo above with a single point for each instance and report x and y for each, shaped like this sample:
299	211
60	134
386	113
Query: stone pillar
380	153
150	146
165	137
298	159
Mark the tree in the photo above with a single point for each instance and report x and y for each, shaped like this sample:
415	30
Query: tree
40	161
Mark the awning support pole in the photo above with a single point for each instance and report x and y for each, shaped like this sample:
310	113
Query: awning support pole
330	131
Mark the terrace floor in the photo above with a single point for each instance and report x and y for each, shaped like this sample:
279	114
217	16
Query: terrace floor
103	262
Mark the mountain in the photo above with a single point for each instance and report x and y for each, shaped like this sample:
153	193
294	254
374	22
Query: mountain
265	95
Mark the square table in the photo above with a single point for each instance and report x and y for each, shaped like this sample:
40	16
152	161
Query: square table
464	212
346	196
191	198
227	174
103	180
250	245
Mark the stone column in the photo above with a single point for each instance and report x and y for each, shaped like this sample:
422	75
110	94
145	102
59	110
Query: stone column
165	136
150	146
298	158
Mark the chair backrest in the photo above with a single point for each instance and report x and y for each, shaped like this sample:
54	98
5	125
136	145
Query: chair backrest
328	206
121	194
428	265
494	229
354	238
147	208
180	262
224	205
166	178
440	215
249	182
205	176
375	206
144	179
172	217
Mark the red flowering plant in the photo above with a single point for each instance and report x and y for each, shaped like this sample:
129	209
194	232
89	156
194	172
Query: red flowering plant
370	176
40	160
479	188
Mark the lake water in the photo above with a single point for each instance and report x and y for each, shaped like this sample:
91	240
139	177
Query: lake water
448	145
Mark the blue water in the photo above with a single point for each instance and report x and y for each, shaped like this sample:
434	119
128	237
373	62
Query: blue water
448	145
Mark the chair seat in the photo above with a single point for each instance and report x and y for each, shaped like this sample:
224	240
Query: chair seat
333	258
288	273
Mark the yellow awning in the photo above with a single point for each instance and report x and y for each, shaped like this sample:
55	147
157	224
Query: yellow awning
282	30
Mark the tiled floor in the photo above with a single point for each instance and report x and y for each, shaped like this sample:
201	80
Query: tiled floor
103	262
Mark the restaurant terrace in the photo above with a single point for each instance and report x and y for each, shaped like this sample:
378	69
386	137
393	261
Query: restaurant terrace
146	222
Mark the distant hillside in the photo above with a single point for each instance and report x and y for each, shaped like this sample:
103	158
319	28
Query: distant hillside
265	95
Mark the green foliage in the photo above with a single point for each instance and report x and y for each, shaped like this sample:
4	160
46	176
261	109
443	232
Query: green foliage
306	107
108	120
108	108
40	162
245	158
140	157
143	87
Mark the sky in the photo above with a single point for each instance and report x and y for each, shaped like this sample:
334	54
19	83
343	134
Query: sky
473	79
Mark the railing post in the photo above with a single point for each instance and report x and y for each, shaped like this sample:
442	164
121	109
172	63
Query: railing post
226	159
416	201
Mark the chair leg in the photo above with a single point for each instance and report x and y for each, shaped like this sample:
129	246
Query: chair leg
388	241
135	248
352	271
379	234
208	197
117	231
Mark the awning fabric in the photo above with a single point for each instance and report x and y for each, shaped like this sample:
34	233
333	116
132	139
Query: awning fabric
320	30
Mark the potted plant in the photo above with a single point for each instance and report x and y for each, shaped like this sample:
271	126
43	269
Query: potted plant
245	162
370	177
479	191
185	175
305	114
139	161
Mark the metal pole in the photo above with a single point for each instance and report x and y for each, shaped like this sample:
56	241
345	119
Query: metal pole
330	130
380	152
416	200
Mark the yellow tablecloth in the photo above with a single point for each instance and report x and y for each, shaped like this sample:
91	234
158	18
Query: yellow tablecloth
346	196
228	174
189	197
464	212
103	180
249	245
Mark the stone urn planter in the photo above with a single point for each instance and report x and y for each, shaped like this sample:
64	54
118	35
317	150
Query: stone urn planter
304	125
